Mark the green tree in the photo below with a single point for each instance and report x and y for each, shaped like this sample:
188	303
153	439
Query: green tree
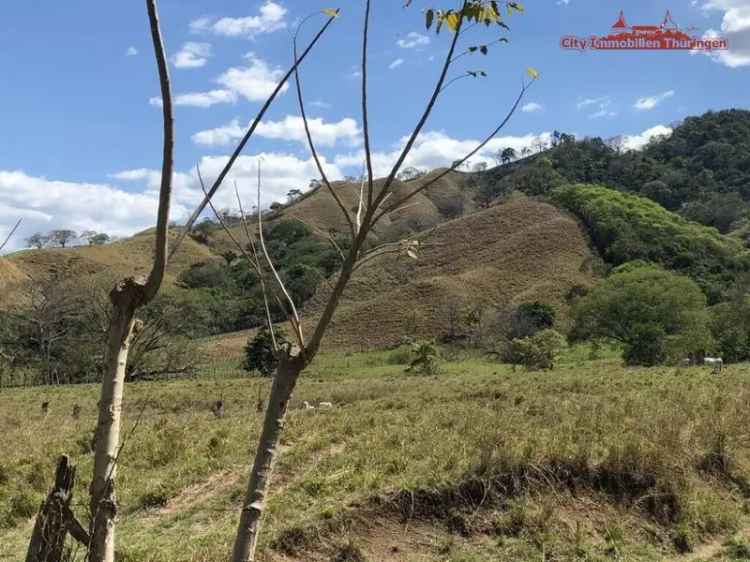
259	353
656	315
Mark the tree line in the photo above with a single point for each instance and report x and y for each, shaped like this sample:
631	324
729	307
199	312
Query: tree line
63	238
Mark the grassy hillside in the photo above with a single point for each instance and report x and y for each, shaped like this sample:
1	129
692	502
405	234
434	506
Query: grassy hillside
479	464
131	256
626	227
506	255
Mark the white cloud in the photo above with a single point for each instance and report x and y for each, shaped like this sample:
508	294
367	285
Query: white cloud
291	128
602	106
735	27
637	142
131	52
531	107
603	113
413	39
281	172
650	102
269	19
396	63
254	82
604	100
192	55
436	149
199	99
46	204
321	104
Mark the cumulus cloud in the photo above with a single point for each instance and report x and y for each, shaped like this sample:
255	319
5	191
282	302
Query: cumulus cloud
436	149
46	204
281	172
735	27
413	39
192	55
396	63
131	52
650	102
269	19
254	82
637	142
291	128
531	107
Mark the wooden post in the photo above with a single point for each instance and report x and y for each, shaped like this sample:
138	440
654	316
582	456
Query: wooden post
55	519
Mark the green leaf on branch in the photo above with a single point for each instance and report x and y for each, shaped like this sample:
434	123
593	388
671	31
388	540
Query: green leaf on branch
429	15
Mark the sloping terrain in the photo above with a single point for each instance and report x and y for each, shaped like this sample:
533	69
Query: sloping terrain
83	263
446	198
520	251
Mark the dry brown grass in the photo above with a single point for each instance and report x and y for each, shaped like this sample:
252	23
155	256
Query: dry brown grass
85	263
517	252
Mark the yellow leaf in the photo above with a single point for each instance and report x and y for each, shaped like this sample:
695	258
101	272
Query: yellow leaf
331	12
452	21
533	72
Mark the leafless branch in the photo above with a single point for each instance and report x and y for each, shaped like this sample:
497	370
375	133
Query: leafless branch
458	163
311	144
294	316
241	146
12	232
428	110
162	224
252	260
365	122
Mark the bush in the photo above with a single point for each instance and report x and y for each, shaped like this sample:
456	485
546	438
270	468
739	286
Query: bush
426	359
529	318
655	314
259	352
535	352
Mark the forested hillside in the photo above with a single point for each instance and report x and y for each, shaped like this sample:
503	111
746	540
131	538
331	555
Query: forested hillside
701	171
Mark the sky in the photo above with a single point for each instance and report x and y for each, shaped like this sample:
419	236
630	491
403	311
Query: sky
81	130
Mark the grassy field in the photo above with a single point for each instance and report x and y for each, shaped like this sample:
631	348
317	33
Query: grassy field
480	463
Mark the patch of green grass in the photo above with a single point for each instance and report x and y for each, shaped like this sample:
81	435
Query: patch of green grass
502	465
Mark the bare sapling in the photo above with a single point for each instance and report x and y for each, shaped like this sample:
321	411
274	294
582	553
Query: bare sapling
373	205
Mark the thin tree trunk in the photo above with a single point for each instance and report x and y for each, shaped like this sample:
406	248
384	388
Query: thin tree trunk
125	297
254	505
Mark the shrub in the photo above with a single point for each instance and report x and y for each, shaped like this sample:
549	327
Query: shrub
529	318
426	359
259	352
655	314
535	352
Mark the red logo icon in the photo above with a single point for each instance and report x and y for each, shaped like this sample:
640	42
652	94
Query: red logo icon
667	36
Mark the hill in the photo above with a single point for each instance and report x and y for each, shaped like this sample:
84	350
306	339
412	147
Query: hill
701	171
447	198
83	263
516	252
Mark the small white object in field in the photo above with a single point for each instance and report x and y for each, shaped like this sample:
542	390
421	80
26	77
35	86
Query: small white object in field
716	362
307	405
325	405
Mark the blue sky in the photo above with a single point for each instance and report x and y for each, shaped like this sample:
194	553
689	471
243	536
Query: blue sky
81	129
